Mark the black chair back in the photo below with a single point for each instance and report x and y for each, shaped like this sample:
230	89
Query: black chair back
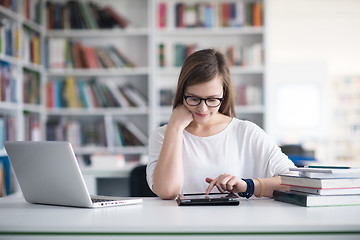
138	183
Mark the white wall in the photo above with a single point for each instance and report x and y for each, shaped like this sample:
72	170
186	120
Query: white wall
311	41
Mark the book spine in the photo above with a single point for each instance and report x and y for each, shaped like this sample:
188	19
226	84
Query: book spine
31	82
162	15
289	197
82	15
6	175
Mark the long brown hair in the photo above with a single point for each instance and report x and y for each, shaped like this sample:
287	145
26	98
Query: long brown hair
203	66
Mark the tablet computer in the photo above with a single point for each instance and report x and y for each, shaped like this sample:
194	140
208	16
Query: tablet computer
210	199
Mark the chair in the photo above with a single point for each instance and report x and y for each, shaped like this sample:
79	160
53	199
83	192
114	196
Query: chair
297	154
138	183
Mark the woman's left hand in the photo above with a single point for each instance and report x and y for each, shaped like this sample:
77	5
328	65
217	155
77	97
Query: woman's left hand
226	182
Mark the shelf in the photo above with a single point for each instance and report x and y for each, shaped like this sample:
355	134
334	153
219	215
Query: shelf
98	111
249	109
99	33
122	172
234	70
98	72
32	66
248	70
9	59
32	25
8	13
9	106
175	32
33	108
87	150
116	150
130	150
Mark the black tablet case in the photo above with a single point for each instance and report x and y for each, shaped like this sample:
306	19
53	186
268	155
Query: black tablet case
212	199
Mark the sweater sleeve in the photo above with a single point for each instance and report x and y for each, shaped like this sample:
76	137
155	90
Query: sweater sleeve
155	144
270	160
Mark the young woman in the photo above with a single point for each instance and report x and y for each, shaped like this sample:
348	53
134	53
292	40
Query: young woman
204	147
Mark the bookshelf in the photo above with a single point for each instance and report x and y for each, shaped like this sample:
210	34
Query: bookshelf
22	72
102	86
41	104
183	27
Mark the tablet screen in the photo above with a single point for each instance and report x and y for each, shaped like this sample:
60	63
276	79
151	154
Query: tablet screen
209	196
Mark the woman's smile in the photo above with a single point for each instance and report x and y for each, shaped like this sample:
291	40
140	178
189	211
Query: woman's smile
201	114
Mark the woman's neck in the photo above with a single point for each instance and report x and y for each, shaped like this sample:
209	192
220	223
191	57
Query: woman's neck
217	124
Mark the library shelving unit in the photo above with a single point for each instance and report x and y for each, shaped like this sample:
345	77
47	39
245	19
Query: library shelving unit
234	27
94	128
21	72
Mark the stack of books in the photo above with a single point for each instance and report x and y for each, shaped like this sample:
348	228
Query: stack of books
321	186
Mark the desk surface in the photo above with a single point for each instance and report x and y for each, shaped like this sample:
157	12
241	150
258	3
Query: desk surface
155	216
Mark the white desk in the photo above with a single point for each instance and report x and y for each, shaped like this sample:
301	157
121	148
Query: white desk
159	219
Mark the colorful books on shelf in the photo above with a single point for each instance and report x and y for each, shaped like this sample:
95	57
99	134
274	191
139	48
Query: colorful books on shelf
224	14
91	93
31	83
64	53
167	97
7	83
82	132
245	56
194	15
249	95
128	134
5	176
83	15
32	10
252	55
133	95
7	129
9	38
32	126
181	52
30	50
11	5
321	186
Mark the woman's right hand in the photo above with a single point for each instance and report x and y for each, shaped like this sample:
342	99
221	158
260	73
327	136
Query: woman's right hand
181	117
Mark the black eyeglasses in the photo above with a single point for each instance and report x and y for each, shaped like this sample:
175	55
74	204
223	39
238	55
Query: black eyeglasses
210	102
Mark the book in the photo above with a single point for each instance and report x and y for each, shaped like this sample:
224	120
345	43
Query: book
133	95
162	15
114	89
57	53
314	200
293	180
6	170
123	57
89	19
127	137
72	93
2	181
326	191
118	18
328	172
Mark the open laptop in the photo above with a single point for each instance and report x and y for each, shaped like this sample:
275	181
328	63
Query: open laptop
48	173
